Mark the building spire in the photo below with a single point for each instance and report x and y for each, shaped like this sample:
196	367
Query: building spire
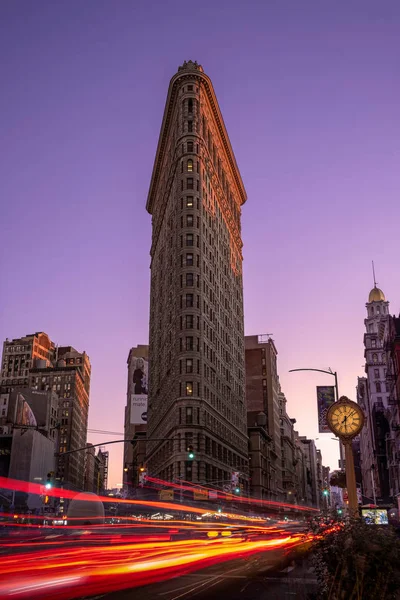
373	273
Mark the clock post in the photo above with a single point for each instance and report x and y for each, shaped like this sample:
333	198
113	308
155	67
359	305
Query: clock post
346	419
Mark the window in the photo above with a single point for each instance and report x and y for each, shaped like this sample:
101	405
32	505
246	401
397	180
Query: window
189	391
189	365
190	146
190	166
189	239
189	183
189	279
378	387
264	382
376	373
189	343
189	201
189	220
189	260
378	310
373	343
189	300
190	88
375	358
190	126
190	105
189	321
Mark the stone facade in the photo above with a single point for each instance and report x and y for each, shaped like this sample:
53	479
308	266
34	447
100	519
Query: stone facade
262	395
196	372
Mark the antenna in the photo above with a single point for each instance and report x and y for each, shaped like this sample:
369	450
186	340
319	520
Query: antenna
373	272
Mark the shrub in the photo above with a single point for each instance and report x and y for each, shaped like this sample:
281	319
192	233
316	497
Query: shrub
358	562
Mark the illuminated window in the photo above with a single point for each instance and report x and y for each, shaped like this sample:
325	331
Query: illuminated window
189	389
190	165
189	201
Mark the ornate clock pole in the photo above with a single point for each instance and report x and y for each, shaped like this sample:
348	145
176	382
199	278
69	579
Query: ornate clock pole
346	419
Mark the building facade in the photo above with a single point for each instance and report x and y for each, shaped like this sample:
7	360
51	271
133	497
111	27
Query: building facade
34	364
135	420
262	395
373	396
196	369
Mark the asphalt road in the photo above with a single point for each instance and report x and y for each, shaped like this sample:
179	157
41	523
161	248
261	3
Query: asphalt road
268	576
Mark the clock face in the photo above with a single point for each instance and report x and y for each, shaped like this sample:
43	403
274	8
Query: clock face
345	419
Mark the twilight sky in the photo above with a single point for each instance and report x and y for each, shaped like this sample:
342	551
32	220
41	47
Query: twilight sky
310	93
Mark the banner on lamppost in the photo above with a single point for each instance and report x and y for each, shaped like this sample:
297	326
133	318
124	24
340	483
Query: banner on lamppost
325	399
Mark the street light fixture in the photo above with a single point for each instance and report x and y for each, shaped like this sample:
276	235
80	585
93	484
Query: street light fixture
334	374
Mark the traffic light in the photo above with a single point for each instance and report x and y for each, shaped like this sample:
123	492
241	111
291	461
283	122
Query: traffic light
237	490
219	510
325	492
339	511
190	452
49	481
46	499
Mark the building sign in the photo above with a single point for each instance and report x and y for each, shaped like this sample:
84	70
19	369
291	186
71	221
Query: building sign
200	495
139	388
138	409
212	495
166	494
325	399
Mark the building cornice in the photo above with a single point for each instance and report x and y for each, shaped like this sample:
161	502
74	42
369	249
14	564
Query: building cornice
190	73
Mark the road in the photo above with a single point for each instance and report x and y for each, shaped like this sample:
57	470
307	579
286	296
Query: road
259	579
179	561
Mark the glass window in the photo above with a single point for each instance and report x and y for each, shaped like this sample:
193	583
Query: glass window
190	105
189	220
189	279
190	146
189	260
190	126
190	166
189	300
189	201
189	365
373	343
378	386
189	389
376	373
189	343
189	183
375	358
189	239
189	321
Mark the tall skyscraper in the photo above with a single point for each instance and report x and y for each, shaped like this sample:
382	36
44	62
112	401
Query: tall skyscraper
196	395
373	396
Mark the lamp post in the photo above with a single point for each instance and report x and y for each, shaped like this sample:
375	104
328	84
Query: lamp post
334	374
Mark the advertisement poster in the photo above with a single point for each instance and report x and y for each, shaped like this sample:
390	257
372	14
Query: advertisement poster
138	409
325	399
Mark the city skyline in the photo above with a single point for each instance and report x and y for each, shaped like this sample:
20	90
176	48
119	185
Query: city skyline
312	118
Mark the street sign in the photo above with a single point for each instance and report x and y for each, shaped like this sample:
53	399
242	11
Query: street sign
200	495
166	494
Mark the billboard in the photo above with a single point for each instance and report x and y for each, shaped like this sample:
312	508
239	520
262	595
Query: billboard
139	369
325	399
375	516
25	414
138	409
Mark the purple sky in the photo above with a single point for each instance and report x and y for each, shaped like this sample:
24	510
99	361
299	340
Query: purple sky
310	93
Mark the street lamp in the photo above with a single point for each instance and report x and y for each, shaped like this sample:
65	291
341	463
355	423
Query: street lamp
334	374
